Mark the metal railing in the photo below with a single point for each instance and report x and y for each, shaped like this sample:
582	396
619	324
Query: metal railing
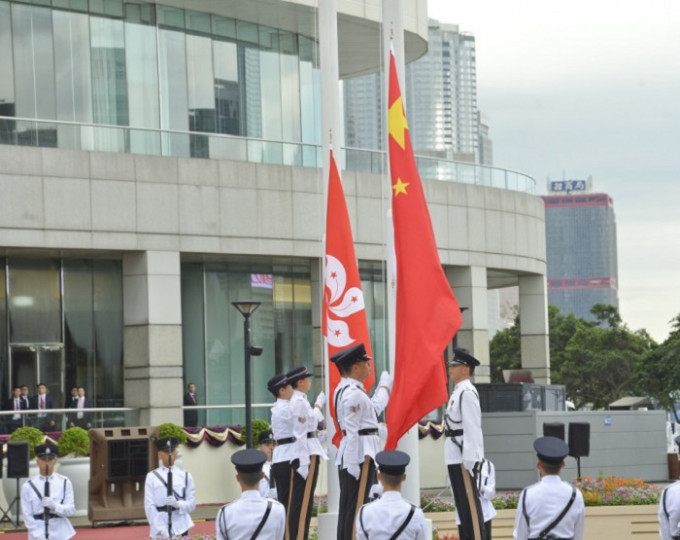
177	143
60	419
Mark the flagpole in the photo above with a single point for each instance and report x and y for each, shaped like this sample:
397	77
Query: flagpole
327	14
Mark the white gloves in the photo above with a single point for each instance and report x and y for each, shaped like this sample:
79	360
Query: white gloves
171	501
375	492
303	470
386	380
354	470
320	400
49	503
271	494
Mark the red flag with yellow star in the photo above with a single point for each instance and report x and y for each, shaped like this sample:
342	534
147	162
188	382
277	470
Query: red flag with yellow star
344	312
427	313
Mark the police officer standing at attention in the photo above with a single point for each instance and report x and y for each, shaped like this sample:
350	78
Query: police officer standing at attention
391	516
550	508
669	509
47	499
464	446
168	515
305	422
251	516
357	416
267	487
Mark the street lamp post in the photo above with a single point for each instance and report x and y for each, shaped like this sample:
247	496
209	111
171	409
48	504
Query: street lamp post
246	309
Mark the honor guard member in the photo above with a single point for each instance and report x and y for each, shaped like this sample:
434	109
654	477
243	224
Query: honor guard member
47	499
266	442
251	516
306	420
169	514
550	508
357	416
391	516
464	446
486	486
669	509
288	449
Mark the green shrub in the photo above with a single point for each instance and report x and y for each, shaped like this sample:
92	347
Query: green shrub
32	435
172	430
74	440
258	427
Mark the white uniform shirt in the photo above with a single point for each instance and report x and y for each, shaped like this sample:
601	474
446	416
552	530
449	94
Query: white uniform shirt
464	412
155	494
669	516
357	411
486	484
282	428
264	485
545	501
61	492
241	518
380	519
312	415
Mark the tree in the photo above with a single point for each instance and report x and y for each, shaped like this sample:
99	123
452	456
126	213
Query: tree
504	351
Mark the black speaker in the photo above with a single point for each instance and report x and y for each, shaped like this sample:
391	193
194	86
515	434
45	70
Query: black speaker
579	439
18	456
553	429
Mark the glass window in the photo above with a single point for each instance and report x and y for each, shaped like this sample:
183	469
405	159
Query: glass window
290	97
142	79
4	382
7	105
72	76
227	88
34	301
272	115
34	72
174	92
109	83
201	86
193	331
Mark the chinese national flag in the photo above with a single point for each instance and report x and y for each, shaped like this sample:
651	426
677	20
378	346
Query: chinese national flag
427	313
344	312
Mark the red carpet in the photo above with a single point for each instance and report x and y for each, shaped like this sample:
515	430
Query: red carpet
128	532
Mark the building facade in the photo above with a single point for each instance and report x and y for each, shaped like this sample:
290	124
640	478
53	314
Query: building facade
581	252
161	160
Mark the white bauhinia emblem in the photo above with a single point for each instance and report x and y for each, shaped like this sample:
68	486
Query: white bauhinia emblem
341	303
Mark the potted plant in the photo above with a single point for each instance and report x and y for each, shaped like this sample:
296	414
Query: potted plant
74	449
258	427
74	441
32	435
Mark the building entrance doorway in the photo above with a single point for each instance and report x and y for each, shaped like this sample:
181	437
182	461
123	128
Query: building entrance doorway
33	363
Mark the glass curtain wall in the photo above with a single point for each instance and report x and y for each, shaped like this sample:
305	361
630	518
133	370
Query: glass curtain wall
213	330
141	77
70	311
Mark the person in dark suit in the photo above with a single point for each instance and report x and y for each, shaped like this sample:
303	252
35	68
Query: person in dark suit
190	415
68	402
81	419
43	401
15	403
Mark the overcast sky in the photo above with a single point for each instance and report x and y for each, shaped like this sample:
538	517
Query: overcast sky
592	88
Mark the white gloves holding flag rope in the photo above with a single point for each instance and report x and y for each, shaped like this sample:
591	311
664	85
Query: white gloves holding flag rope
386	380
320	401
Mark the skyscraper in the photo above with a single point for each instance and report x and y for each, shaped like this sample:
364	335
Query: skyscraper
581	252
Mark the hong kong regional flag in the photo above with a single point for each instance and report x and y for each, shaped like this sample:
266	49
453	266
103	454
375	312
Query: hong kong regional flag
427	313
344	312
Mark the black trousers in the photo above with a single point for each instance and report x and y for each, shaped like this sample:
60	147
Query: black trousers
290	487
350	495
466	497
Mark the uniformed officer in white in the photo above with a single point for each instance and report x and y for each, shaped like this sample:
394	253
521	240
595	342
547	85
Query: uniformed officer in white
550	508
486	485
306	420
164	512
357	416
46	512
251	516
267	487
391	516
669	509
464	445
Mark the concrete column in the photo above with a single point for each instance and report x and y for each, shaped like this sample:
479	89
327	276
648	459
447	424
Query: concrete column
152	335
533	311
470	287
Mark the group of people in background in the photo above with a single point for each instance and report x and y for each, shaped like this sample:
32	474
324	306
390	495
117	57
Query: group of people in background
21	400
